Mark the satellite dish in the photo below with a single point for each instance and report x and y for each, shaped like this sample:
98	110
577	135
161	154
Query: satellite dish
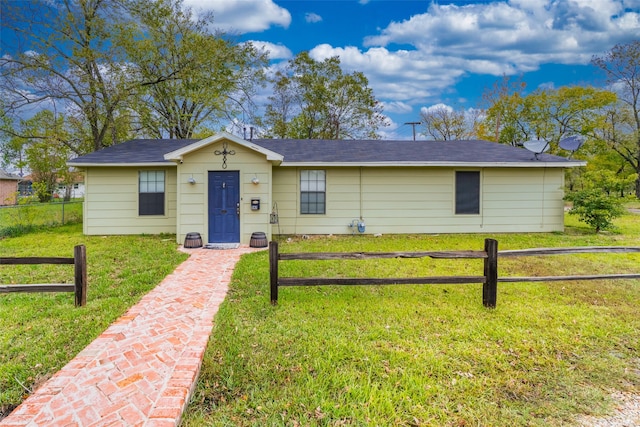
572	143
536	146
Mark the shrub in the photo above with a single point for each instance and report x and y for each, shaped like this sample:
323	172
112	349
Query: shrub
595	208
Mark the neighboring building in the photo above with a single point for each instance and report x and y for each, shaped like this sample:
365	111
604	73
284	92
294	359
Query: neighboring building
75	190
227	188
8	188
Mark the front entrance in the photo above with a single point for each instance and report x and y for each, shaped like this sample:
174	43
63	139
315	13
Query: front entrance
224	207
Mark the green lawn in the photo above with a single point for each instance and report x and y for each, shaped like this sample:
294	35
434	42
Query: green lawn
40	333
427	355
21	219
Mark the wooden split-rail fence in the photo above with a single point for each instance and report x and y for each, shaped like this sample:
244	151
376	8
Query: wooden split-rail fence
79	287
489	278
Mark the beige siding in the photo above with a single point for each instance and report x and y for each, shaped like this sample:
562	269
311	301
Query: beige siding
422	200
111	202
193	198
8	191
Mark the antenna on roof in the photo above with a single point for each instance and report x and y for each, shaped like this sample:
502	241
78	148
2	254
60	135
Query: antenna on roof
572	143
536	146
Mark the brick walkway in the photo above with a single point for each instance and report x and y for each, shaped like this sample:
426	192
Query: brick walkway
142	369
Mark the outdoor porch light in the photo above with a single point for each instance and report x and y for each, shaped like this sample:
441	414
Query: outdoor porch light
255	180
191	180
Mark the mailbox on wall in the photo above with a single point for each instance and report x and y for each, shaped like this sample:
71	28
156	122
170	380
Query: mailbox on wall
255	204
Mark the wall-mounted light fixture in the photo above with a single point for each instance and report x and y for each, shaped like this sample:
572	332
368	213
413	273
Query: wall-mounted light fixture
255	180
191	180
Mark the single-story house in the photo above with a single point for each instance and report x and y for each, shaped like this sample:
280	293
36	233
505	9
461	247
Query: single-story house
226	188
8	188
75	190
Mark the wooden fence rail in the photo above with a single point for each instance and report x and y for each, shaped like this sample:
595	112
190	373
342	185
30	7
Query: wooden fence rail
489	279
79	287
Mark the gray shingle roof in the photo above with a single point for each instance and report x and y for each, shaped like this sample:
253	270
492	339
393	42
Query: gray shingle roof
379	151
8	176
135	151
141	151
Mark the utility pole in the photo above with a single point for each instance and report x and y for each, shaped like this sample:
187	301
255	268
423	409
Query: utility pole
413	125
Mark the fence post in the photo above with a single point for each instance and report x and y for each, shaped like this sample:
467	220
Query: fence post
273	271
490	286
80	264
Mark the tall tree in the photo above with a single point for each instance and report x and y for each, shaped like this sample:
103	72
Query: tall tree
503	97
317	100
622	67
63	58
547	114
443	123
197	76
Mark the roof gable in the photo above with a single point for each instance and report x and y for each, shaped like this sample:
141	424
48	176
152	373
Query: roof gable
178	154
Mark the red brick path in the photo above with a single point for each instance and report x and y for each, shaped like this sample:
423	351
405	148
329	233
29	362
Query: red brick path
142	369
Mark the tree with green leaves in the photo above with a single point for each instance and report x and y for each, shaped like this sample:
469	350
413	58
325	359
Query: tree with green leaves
547	114
317	100
596	206
66	61
45	150
502	99
197	76
622	67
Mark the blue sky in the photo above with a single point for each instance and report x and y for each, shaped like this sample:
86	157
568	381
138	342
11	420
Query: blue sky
417	54
421	53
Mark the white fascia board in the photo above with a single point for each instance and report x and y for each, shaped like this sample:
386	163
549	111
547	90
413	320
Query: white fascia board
137	165
177	155
439	164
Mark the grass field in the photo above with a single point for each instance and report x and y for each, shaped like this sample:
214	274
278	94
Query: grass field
427	355
40	333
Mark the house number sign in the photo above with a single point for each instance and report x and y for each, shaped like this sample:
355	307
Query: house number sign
224	153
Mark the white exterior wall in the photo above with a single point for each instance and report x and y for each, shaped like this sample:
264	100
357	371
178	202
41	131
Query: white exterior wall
422	200
111	202
192	215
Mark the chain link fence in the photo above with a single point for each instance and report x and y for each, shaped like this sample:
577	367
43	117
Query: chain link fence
25	217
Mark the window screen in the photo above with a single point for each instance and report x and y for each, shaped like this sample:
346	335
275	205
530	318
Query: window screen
151	195
467	192
312	192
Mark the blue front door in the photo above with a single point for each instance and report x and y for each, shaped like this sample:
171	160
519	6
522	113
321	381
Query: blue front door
224	207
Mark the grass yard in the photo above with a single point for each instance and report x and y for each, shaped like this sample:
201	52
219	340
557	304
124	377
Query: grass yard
428	355
22	219
40	333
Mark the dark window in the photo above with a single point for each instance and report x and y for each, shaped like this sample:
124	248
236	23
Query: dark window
467	192
151	197
312	192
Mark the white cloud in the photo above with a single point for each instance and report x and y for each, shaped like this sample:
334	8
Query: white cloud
312	17
450	42
397	107
275	51
402	76
512	37
243	15
437	107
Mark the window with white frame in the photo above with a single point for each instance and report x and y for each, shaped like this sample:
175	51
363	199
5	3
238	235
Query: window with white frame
312	192
467	192
151	193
